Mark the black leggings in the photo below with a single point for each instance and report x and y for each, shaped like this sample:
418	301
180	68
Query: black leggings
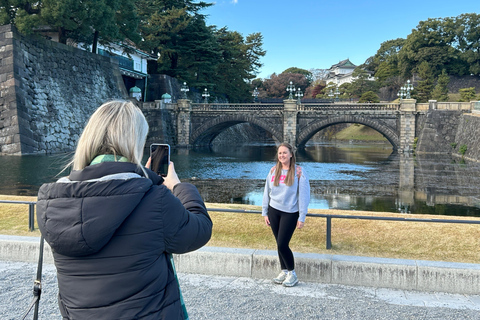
283	225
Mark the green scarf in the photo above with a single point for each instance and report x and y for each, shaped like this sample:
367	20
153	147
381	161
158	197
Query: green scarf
108	158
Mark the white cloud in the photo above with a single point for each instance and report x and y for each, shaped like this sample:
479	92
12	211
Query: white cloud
234	1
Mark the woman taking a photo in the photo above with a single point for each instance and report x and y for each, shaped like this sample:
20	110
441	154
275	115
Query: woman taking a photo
285	205
113	224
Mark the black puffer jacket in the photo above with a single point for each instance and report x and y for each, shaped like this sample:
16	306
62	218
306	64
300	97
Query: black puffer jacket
110	229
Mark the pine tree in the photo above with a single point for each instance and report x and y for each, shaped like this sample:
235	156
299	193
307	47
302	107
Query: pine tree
423	91
440	92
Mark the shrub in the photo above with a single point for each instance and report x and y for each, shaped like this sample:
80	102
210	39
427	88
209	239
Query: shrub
463	149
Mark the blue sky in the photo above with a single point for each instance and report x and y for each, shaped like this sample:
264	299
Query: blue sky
319	33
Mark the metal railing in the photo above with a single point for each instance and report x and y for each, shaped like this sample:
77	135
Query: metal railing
329	217
31	211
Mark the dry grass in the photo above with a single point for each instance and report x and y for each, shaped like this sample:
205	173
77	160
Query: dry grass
359	132
387	239
14	217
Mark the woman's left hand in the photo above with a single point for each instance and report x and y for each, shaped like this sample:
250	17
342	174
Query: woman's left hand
149	161
300	224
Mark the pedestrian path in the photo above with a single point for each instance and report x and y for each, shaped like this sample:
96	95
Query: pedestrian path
220	297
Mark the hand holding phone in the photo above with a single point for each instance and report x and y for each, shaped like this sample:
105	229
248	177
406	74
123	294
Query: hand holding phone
159	158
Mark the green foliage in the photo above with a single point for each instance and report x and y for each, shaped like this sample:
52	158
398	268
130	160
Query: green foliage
238	63
440	92
361	83
369	97
435	41
453	145
449	44
384	63
463	149
423	91
467	94
308	75
111	20
415	142
203	56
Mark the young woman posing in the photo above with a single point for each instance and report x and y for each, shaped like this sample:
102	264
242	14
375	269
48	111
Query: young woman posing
285	204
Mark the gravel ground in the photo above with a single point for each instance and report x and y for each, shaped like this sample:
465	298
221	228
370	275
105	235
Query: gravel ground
213	297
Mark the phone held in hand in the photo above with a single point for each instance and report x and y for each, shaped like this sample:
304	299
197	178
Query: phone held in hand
159	158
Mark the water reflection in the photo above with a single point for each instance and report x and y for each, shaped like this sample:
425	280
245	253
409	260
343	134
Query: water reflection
342	176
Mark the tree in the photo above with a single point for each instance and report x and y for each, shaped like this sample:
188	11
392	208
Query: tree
468	40
467	94
239	63
369	97
197	53
308	75
23	14
440	92
424	89
276	86
361	83
81	21
384	63
163	25
452	43
315	91
319	74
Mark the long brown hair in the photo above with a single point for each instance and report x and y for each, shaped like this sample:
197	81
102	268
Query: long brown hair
291	170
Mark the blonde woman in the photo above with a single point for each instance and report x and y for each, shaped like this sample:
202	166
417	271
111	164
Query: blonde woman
112	224
285	203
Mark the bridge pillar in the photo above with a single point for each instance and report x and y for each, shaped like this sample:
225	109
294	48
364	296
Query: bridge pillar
407	125
184	111
406	182
290	122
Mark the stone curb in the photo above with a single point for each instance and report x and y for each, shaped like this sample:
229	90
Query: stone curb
425	276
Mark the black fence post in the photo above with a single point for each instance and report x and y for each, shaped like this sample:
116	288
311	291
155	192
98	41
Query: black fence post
329	233
31	216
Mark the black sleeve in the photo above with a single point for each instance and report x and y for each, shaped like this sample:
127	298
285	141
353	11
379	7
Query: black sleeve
187	225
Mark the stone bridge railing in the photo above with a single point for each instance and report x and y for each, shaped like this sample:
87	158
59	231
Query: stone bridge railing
299	107
236	106
349	106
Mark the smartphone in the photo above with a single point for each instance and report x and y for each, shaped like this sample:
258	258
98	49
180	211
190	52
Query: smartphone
159	158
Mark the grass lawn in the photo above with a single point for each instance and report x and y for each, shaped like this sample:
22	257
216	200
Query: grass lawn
387	239
359	132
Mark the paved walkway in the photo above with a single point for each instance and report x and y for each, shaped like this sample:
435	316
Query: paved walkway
216	297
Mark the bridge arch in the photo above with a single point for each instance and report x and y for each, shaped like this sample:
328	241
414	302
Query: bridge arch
314	127
205	134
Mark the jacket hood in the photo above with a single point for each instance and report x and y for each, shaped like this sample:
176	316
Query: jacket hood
79	217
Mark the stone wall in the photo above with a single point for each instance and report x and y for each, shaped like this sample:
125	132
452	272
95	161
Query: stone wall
468	134
438	131
162	126
48	91
445	131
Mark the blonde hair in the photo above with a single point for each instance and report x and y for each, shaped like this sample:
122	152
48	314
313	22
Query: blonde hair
278	168
117	127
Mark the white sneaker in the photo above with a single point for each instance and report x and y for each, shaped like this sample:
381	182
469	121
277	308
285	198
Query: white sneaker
280	278
290	280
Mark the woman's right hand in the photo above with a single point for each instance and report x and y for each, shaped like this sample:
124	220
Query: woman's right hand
171	180
267	221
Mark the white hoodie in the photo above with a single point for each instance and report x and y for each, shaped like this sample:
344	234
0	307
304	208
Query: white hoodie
287	198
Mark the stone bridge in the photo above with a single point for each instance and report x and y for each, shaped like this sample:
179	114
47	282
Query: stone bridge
197	124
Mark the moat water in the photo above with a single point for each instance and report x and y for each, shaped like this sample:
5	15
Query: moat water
342	176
